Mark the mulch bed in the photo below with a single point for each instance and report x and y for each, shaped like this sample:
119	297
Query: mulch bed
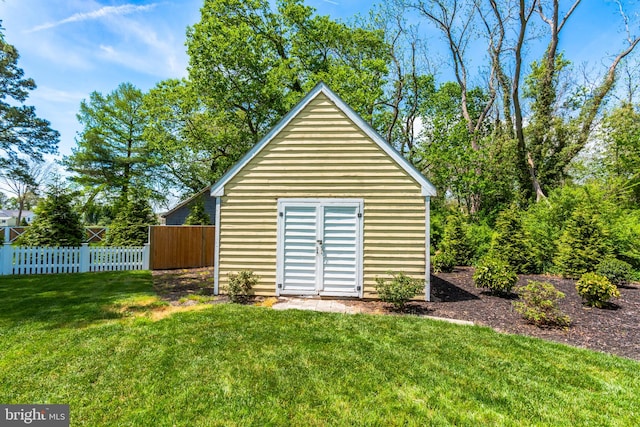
615	329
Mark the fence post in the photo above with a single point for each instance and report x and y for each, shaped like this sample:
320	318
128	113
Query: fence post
7	234
6	260
84	258
146	252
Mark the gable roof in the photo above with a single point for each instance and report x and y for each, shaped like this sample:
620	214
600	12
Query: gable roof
428	189
185	202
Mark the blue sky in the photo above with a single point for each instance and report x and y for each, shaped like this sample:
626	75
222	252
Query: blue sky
74	47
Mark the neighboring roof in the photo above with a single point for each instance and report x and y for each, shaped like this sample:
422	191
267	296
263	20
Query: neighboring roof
428	189
13	213
185	202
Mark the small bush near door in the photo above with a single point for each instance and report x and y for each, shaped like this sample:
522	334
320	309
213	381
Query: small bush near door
240	284
539	304
399	290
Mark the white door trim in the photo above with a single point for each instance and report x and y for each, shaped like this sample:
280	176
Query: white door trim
320	203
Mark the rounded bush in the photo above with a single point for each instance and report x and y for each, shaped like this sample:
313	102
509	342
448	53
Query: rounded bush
443	262
399	290
539	304
596	290
240	285
618	272
495	275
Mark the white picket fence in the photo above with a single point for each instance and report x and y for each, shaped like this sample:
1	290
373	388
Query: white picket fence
48	260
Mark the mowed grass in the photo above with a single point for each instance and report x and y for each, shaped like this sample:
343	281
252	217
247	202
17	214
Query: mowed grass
107	346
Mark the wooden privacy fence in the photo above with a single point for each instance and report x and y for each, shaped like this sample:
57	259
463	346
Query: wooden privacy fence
181	246
44	260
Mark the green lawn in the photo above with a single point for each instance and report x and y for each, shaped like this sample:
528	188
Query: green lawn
104	344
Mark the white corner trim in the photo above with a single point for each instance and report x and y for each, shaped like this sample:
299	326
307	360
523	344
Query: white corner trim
427	239
216	250
218	192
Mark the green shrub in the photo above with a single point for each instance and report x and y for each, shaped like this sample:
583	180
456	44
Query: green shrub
479	236
455	240
240	285
56	223
618	272
596	290
443	262
510	242
495	275
539	304
399	290
582	245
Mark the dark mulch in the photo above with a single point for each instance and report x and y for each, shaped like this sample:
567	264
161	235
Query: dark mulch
615	329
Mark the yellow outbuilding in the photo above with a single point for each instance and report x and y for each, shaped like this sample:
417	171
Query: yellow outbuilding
322	205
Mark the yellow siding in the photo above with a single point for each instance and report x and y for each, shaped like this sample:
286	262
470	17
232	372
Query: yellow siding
322	154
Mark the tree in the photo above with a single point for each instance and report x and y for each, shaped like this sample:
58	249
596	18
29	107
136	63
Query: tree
3	200
583	244
111	153
56	222
621	156
24	183
22	133
131	224
277	57
198	215
510	242
191	144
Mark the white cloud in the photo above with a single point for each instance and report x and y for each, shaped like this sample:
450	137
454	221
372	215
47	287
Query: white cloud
50	94
103	12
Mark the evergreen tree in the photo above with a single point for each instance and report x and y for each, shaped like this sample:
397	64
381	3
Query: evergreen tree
131	224
510	242
455	241
198	214
21	131
56	222
583	244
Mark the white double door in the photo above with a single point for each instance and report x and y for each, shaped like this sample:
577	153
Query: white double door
319	247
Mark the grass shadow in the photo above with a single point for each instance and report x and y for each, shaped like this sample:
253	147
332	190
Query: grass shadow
68	300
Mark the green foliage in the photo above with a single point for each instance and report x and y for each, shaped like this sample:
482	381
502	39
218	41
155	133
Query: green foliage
479	236
621	157
240	285
539	304
56	222
198	214
23	134
399	290
443	262
193	145
280	51
583	244
455	242
596	290
112	154
131	224
510	243
495	275
618	272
